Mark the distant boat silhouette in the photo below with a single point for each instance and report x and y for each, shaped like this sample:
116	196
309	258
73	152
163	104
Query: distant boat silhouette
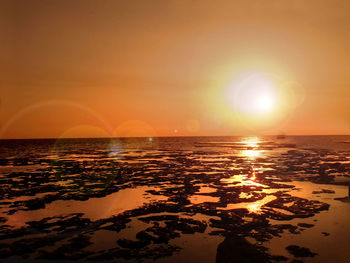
281	136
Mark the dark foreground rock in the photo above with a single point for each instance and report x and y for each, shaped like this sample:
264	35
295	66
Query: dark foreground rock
300	251
235	249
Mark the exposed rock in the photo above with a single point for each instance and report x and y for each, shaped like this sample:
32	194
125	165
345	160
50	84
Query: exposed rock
300	251
324	191
238	249
305	225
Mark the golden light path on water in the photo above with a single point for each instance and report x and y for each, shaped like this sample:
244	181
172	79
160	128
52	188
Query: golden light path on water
252	145
251	151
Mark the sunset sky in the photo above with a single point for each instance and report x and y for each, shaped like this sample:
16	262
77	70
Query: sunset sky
173	68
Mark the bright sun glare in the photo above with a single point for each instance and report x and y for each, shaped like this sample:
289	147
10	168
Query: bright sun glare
253	94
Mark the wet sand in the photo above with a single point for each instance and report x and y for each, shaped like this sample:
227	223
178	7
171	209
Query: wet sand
176	199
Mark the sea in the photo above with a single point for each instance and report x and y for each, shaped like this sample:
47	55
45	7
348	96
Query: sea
176	199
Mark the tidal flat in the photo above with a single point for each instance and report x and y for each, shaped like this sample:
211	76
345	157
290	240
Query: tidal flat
179	199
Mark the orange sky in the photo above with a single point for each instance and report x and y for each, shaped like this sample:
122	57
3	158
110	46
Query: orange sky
161	68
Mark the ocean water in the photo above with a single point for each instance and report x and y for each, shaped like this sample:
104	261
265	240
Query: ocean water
172	199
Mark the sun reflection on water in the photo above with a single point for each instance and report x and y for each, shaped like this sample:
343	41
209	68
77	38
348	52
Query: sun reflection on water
253	176
252	145
250	141
250	150
253	207
252	154
256	206
241	180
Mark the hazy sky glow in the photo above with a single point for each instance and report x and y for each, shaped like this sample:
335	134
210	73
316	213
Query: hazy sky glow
168	68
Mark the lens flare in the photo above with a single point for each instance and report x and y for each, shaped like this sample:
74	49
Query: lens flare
12	126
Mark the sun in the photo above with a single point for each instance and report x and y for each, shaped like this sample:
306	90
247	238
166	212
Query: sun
253	94
264	103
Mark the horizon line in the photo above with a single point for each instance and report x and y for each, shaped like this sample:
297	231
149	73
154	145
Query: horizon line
177	136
